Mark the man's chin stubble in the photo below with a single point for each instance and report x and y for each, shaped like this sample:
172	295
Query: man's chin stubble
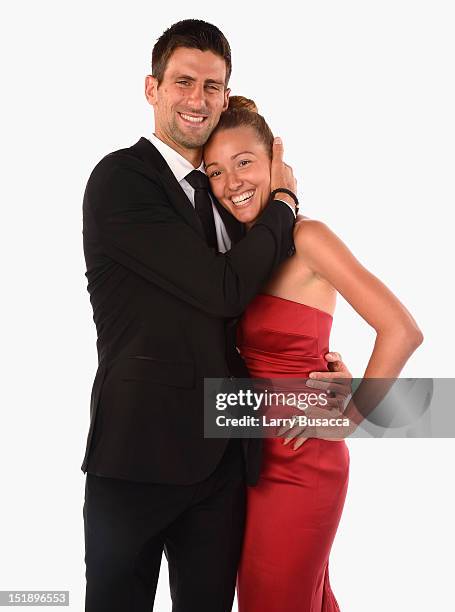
196	142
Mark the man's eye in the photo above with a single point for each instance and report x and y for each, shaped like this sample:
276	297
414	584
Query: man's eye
213	87
183	82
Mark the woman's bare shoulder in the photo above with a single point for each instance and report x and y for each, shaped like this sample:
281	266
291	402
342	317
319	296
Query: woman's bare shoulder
309	233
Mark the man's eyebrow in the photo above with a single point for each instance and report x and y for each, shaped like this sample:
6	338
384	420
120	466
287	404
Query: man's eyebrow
232	157
187	77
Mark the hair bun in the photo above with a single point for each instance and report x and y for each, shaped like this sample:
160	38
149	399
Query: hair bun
241	103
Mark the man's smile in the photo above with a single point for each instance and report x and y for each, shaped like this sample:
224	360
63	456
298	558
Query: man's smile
192	119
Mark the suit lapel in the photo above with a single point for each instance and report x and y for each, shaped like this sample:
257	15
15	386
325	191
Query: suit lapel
178	198
171	186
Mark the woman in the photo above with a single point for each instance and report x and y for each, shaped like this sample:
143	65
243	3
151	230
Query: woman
294	511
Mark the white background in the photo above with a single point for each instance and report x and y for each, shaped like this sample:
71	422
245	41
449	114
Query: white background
362	94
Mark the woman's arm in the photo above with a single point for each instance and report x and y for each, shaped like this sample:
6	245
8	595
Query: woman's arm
397	334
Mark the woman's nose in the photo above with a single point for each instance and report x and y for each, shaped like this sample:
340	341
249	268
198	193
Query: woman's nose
233	182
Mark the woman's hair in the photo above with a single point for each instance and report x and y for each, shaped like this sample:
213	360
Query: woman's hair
243	112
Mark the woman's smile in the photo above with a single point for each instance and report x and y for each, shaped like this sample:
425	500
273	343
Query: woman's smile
244	199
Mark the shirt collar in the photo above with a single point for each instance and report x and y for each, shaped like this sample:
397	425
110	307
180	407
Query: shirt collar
180	166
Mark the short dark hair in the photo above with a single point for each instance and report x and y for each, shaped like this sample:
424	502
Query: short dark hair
193	34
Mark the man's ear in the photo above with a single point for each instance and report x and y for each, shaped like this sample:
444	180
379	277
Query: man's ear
151	86
226	98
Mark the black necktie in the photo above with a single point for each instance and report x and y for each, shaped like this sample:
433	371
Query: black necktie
203	205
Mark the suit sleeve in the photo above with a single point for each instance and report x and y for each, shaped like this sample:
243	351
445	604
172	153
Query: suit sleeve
137	227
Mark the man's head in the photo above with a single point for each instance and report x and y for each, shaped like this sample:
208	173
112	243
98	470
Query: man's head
191	66
191	34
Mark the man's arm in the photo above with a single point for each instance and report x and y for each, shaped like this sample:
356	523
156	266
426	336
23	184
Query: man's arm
139	229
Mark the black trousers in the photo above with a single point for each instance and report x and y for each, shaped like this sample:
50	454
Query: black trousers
200	528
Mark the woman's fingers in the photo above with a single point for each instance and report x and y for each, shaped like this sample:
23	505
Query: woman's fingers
299	443
294	433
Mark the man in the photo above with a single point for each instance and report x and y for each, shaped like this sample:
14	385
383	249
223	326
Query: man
167	270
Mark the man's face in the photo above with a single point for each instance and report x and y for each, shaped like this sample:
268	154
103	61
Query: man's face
190	99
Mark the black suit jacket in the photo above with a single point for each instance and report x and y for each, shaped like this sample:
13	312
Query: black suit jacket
161	301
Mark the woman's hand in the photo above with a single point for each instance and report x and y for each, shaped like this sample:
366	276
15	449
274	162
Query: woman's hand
339	427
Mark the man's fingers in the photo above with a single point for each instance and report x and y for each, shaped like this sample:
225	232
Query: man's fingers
333	357
335	363
332	403
337	366
278	150
334	388
328	376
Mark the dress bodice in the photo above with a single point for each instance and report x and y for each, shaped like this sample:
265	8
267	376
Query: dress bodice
281	338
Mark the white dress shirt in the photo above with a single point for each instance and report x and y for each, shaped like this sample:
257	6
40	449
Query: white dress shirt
180	168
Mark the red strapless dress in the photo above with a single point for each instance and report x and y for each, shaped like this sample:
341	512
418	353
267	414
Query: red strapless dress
294	510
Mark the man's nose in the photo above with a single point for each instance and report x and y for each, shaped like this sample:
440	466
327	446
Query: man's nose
197	97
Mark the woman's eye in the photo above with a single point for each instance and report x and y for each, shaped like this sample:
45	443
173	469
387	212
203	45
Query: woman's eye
214	174
244	162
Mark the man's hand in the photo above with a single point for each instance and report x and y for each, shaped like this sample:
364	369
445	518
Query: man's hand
337	383
336	364
282	174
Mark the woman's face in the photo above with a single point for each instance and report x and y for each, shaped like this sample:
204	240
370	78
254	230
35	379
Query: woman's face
238	167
